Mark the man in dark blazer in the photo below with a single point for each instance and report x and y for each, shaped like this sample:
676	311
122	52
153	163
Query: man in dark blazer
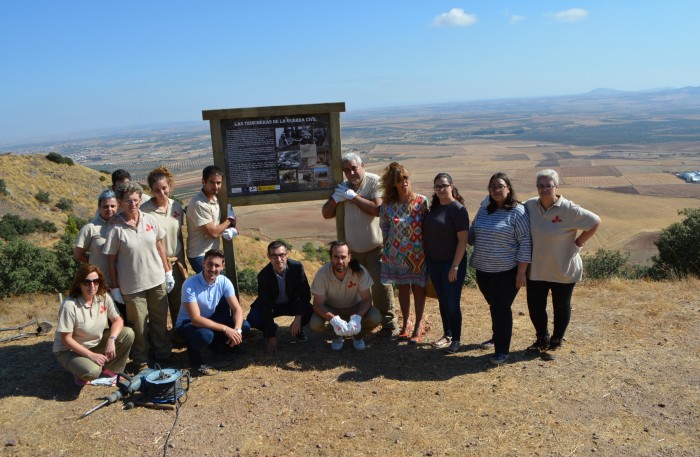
283	290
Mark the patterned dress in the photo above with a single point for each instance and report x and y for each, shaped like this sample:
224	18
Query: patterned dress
403	259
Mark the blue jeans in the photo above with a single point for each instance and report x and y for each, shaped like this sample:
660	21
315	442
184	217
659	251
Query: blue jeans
198	338
499	291
197	263
449	294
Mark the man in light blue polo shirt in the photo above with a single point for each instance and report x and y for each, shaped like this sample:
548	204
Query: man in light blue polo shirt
210	315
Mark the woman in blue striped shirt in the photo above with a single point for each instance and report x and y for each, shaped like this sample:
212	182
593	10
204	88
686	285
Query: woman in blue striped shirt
500	235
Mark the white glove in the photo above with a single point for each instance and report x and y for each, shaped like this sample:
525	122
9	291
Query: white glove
230	233
117	295
354	325
169	281
339	326
339	196
350	194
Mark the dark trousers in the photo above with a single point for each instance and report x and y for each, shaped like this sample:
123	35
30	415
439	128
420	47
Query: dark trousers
449	294
537	292
198	338
256	316
499	291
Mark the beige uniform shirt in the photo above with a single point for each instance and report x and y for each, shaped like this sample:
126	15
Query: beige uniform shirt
200	212
171	220
92	237
362	232
86	323
139	267
340	294
555	256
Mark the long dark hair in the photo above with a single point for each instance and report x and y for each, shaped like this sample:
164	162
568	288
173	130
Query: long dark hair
354	265
81	274
435	202
510	202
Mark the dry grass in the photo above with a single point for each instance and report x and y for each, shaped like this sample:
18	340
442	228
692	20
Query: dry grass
626	384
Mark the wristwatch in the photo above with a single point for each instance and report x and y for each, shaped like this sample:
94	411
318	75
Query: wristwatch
455	268
112	338
240	332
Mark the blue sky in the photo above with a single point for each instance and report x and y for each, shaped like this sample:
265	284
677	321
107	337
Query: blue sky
81	65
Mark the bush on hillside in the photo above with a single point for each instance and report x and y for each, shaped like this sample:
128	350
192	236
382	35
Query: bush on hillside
679	248
103	178
312	253
64	204
43	196
13	226
58	158
26	268
3	188
248	281
606	264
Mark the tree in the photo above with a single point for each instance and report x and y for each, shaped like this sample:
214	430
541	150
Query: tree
679	247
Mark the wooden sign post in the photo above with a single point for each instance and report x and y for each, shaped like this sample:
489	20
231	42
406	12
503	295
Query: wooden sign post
276	154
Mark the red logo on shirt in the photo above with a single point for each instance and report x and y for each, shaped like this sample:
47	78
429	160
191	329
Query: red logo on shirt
176	215
149	227
556	219
102	309
351	284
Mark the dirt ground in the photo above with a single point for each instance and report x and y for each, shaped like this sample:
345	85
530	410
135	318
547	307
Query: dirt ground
625	385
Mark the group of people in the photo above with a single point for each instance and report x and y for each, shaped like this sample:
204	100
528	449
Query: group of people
134	258
533	244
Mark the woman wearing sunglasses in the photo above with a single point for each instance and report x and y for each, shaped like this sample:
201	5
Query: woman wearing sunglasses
83	344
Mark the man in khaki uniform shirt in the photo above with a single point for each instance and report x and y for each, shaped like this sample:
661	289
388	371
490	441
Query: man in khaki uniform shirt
203	215
362	198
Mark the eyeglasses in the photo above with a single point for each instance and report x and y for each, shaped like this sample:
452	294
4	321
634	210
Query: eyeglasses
497	187
88	282
542	186
441	186
278	256
132	202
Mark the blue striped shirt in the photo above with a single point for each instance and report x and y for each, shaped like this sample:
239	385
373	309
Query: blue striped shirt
501	239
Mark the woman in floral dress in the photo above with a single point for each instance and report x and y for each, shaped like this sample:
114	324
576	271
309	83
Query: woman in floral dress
403	260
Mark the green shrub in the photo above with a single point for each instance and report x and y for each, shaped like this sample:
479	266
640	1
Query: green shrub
25	268
248	281
64	204
3	188
605	264
43	196
12	226
679	248
58	158
103	178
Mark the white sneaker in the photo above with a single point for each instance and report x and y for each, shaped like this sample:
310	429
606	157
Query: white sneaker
358	344
337	343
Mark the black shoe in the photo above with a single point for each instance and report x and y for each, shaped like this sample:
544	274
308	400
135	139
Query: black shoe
550	353
301	338
541	345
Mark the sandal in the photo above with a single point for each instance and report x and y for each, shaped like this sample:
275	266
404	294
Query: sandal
417	336
405	334
442	342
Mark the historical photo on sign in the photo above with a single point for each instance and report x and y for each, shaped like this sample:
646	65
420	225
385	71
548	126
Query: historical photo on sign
276	154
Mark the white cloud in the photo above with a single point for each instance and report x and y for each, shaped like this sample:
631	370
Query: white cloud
571	15
515	19
455	18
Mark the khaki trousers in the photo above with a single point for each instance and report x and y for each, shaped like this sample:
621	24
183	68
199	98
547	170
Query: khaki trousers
86	369
147	314
382	294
